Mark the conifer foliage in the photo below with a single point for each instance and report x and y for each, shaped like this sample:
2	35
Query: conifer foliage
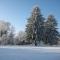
34	28
37	29
51	33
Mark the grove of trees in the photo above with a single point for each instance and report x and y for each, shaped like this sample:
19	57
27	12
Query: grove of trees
38	29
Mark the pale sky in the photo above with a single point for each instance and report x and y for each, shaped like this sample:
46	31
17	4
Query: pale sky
17	11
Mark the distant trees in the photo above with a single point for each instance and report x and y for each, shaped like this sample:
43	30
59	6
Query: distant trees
37	29
11	36
4	27
8	36
5	33
20	38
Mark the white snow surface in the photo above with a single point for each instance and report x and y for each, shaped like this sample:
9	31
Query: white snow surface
40	49
29	53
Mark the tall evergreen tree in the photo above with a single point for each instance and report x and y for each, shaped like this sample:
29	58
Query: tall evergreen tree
51	33
34	28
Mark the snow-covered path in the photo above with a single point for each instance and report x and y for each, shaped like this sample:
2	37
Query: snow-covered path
29	53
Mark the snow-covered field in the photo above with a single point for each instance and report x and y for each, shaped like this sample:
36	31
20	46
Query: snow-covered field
29	53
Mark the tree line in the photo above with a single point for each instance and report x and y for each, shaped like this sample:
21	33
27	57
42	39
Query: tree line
38	29
8	35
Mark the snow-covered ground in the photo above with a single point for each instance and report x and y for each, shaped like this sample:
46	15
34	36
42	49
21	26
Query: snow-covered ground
29	53
33	48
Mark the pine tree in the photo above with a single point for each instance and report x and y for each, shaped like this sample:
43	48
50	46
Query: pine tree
51	32
34	28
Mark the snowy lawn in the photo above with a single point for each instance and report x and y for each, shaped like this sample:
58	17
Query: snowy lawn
29	53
